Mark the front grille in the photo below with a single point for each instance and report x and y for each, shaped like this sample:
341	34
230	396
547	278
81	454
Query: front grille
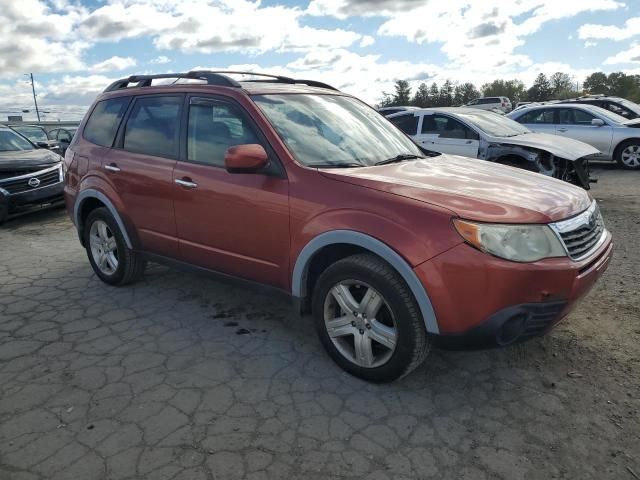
582	233
21	184
18	172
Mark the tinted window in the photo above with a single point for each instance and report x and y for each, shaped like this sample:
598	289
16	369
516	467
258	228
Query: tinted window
213	128
571	116
407	123
11	141
446	127
64	136
486	101
537	116
152	126
104	120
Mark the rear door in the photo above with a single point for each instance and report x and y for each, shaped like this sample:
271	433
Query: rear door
140	168
235	223
575	122
445	134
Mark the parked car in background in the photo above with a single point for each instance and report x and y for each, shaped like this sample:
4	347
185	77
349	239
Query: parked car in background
489	136
623	107
386	111
296	185
37	135
29	177
63	136
614	136
490	103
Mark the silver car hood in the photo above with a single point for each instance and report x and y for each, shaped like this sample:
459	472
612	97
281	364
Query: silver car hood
557	145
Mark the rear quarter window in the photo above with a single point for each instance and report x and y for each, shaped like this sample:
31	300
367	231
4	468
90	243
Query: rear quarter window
102	125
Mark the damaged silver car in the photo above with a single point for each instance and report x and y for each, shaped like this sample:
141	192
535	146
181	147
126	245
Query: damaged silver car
485	135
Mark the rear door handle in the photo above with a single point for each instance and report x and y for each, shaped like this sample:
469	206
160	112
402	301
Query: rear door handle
112	167
186	182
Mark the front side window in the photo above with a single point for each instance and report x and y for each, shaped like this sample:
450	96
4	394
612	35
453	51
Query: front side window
407	123
213	128
64	136
152	126
103	123
333	130
574	116
10	141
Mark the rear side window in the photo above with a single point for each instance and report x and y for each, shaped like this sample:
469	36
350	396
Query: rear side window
407	123
153	126
103	123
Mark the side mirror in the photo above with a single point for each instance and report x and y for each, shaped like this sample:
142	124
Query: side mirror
597	122
248	158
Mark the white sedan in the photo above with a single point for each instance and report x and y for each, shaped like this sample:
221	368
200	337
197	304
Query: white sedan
481	134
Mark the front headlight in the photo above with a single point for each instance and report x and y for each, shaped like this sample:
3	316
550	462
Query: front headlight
518	243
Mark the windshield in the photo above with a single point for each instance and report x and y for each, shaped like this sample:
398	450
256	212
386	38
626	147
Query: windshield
614	117
332	130
494	124
10	141
634	107
34	134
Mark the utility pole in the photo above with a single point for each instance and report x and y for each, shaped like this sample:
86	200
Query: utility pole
33	89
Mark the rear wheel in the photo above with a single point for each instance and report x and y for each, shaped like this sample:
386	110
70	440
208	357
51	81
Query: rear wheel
108	254
368	320
628	155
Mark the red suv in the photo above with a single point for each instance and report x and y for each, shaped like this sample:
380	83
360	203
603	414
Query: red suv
296	185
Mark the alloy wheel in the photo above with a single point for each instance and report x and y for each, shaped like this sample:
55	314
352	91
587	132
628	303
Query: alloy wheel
631	156
104	248
360	323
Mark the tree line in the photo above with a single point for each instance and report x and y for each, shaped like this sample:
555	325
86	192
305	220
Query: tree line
558	86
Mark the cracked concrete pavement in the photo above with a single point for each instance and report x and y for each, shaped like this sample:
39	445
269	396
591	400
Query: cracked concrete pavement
181	376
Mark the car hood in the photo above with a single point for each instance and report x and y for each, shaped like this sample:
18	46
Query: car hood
557	145
473	189
28	158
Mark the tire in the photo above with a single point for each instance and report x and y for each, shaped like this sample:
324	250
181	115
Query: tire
628	154
122	265
398	318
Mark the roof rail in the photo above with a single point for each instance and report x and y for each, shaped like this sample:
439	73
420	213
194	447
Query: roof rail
145	80
213	77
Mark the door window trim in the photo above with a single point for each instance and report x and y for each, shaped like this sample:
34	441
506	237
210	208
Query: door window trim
274	168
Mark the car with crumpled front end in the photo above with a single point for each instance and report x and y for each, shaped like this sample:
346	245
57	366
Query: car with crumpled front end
298	186
30	177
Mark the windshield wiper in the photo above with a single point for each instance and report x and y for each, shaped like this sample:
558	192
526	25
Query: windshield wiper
399	158
336	165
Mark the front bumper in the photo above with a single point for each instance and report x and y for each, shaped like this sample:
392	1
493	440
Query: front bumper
20	202
480	300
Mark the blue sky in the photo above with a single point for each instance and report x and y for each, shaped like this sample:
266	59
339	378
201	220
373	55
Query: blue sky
75	48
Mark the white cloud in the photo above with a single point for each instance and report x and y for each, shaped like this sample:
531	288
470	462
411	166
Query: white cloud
113	64
367	41
161	60
631	55
611	32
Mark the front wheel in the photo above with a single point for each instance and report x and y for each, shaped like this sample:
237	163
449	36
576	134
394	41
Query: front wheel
112	261
628	155
368	320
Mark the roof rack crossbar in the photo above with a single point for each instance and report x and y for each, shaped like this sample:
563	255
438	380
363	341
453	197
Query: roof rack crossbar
212	77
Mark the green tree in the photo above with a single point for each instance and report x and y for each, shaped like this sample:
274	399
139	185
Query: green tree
434	95
446	94
561	82
402	95
514	90
464	93
421	98
622	85
541	89
597	82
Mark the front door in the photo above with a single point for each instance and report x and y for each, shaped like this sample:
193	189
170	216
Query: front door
140	168
445	134
233	223
576	123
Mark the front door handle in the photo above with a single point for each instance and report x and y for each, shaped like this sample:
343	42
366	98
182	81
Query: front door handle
562	130
186	182
112	167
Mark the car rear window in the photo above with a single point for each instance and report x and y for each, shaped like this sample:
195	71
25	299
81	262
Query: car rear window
103	123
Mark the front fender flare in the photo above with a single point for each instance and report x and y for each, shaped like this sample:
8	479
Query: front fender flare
300	270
